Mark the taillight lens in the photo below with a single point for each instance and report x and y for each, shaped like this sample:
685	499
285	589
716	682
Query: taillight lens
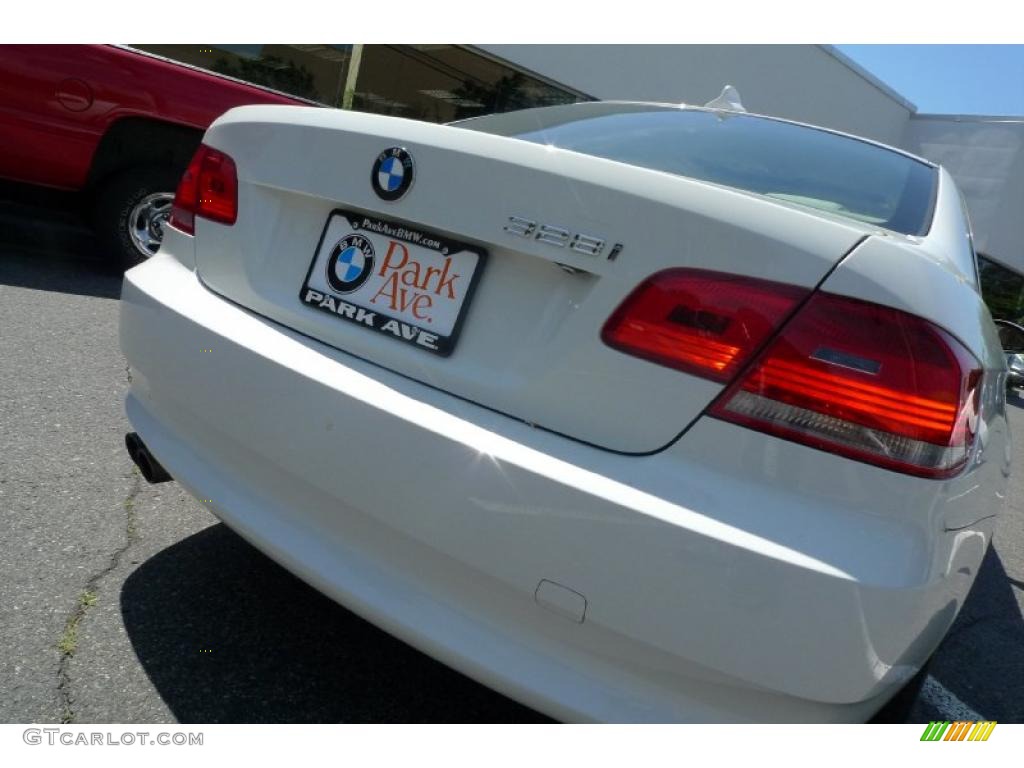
701	322
864	381
209	188
854	378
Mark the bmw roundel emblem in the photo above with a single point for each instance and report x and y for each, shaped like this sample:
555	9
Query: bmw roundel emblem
392	173
350	263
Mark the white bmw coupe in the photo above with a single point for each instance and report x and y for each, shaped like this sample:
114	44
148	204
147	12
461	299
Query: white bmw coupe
632	412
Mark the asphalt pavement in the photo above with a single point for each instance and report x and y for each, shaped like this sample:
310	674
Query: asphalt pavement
127	602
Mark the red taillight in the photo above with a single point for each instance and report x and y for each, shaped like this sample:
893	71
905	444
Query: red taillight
702	322
854	378
209	188
865	381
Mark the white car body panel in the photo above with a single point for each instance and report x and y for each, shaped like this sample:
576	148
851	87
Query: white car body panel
729	576
530	329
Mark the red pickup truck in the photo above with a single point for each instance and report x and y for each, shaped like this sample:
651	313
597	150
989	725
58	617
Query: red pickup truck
113	123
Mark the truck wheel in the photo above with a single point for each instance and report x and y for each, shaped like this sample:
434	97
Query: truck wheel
132	208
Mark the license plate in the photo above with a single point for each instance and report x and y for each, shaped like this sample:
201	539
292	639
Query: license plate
394	279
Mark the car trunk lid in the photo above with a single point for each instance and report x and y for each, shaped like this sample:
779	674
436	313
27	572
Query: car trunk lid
550	242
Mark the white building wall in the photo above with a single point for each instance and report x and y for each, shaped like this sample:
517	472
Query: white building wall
808	83
818	85
986	157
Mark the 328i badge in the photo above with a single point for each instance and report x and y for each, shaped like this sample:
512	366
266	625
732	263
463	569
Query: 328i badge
394	279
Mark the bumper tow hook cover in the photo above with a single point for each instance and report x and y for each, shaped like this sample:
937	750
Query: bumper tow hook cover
562	600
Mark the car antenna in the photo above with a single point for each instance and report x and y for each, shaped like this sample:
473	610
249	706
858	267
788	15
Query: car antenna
728	99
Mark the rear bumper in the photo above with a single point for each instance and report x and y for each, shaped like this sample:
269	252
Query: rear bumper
690	595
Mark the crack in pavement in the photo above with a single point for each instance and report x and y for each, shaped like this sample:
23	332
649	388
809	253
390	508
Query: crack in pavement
67	643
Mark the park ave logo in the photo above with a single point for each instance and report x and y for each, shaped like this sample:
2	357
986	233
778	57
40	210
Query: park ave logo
410	285
397	328
392	279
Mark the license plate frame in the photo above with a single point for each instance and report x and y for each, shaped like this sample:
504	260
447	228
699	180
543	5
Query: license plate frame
341	253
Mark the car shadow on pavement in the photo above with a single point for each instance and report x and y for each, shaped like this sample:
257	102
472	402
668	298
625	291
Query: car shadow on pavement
228	636
47	243
981	660
45	270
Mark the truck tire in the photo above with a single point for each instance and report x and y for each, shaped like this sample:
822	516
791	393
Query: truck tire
131	210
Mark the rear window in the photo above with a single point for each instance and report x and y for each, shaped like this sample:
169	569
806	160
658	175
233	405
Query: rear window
791	163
